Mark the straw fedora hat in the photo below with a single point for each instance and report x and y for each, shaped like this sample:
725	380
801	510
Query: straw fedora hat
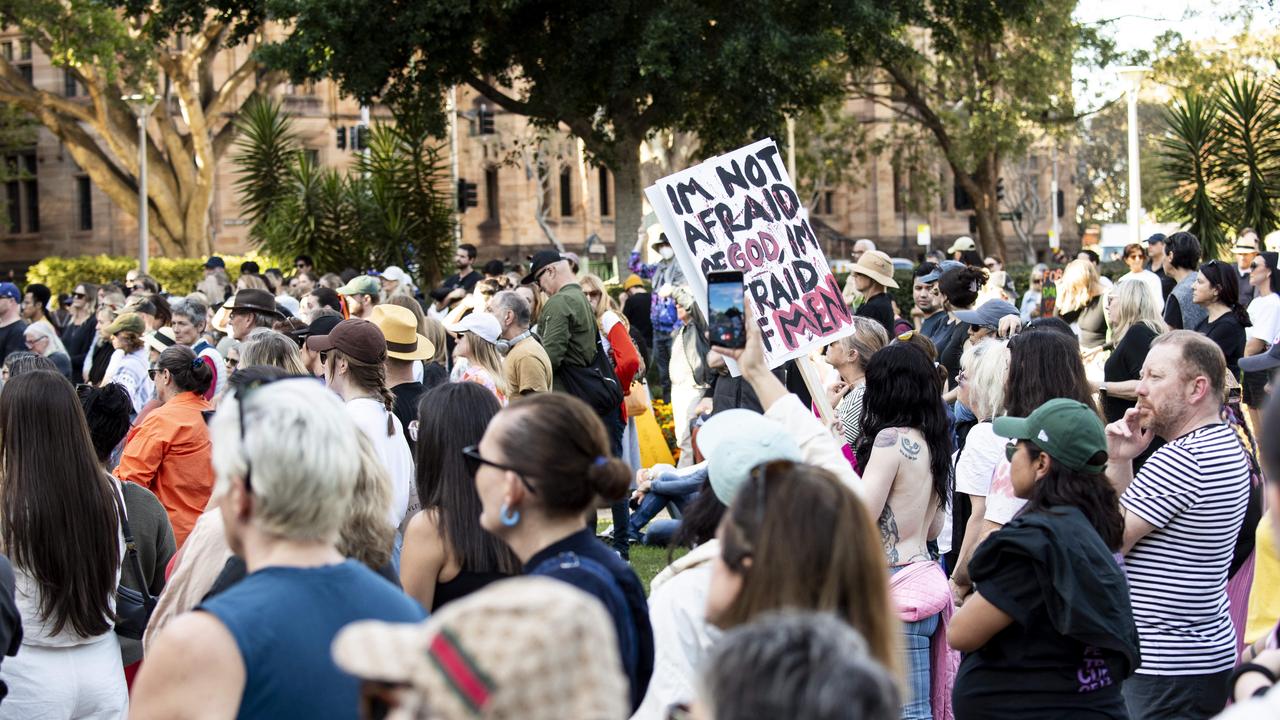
400	328
877	266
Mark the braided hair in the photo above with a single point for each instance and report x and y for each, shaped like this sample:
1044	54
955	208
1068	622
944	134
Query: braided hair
371	377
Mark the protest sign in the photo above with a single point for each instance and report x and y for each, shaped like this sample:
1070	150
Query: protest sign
740	211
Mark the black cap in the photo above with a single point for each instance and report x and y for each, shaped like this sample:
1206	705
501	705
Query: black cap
541	260
320	326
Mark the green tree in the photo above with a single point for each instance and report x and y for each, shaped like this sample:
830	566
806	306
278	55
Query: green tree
612	73
1189	156
983	78
103	50
393	207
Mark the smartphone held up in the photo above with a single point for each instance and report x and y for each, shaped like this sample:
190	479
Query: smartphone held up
727	317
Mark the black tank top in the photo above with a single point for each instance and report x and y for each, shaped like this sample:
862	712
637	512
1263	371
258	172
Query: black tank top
463	584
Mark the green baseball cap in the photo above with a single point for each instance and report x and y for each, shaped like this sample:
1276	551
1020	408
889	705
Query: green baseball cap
361	285
1068	430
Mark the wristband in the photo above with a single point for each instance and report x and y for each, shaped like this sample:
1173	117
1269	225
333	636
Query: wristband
1246	668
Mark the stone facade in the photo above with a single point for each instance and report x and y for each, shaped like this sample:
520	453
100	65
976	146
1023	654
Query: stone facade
519	207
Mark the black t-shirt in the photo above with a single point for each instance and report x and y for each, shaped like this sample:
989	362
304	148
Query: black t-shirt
636	311
1072	641
1228	333
880	309
950	351
434	375
1166	283
406	406
466	282
1125	363
12	339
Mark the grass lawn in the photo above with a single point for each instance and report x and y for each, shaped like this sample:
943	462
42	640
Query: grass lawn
646	560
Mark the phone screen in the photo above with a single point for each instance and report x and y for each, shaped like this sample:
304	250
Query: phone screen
727	321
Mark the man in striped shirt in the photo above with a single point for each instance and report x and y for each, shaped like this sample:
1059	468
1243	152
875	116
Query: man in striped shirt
1183	513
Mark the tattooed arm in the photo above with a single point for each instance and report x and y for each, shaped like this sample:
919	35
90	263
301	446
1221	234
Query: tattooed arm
882	468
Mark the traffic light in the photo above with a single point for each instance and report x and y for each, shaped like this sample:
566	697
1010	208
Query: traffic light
360	138
999	189
342	138
467	195
1062	203
485	119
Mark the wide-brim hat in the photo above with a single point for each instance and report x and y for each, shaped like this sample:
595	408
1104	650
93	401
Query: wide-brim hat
255	300
160	339
526	647
1245	244
877	266
400	327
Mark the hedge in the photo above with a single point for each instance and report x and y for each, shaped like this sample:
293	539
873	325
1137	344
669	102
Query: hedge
177	276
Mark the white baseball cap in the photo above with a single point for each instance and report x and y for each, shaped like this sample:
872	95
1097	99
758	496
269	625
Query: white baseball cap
482	324
395	274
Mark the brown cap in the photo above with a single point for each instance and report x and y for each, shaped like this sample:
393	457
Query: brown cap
360	339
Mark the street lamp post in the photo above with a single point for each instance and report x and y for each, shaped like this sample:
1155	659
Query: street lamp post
142	105
1132	76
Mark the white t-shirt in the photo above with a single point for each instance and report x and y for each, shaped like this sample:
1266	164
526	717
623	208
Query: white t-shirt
1002	504
1150	280
983	451
1194	491
1264	314
371	417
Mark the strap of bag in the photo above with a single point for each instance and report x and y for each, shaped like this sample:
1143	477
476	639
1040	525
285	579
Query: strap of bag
131	547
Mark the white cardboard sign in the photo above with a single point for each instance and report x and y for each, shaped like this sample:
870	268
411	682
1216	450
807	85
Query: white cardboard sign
740	211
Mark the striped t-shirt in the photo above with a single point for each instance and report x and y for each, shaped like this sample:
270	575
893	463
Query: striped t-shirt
1194	490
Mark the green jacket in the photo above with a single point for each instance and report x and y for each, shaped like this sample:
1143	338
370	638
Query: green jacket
569	332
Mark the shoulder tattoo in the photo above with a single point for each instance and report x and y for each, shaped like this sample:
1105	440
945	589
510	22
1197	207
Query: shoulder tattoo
887	437
910	450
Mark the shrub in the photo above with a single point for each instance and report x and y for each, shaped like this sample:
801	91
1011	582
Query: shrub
177	276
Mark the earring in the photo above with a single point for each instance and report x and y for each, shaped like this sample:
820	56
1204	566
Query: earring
509	517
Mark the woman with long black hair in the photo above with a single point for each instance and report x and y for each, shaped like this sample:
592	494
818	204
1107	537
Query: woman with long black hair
906	456
1217	290
60	525
1049	633
447	555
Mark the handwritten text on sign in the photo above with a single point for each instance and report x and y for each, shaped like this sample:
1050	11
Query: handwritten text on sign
740	211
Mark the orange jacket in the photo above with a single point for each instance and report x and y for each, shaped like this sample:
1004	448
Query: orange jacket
169	453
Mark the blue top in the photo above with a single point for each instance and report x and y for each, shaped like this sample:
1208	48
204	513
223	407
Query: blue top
284	619
589	565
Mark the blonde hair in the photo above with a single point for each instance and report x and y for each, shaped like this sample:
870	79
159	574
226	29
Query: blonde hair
365	534
272	348
592	283
867	338
1080	284
486	355
986	367
433	330
252	282
1134	305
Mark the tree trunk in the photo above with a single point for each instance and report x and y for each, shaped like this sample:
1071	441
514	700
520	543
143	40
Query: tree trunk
986	206
629	199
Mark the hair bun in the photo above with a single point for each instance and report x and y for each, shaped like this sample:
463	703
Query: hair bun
610	478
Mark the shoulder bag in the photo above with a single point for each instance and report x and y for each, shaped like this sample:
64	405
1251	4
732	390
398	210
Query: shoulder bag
133	607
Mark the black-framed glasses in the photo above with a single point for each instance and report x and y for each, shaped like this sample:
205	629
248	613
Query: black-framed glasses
78	296
152	372
474	460
324	357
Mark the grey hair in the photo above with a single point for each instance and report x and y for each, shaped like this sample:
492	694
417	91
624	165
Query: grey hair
303	485
44	330
192	309
511	300
868	337
795	664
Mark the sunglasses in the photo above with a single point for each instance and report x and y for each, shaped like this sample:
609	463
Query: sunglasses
593	295
78	296
471	454
152	372
1010	450
232	362
324	357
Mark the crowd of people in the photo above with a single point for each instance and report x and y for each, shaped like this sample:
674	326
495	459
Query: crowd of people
314	495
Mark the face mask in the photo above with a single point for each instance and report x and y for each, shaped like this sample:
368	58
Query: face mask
667	253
